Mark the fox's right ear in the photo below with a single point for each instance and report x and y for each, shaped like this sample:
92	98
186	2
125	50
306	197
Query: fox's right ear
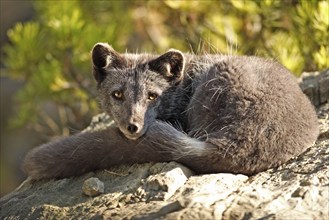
103	57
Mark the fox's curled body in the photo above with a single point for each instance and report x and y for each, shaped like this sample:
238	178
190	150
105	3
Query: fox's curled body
212	113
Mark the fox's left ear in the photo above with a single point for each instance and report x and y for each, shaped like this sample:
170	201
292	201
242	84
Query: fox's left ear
171	65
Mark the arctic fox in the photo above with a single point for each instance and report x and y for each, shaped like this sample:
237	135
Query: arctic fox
212	113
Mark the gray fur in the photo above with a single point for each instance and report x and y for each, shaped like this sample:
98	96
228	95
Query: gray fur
213	113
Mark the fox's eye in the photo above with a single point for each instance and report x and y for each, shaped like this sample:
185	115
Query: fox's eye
152	96
117	94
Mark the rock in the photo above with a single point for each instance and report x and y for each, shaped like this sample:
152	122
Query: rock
298	189
316	86
164	181
93	187
99	122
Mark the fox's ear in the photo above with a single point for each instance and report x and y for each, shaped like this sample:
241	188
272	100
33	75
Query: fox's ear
103	57
170	65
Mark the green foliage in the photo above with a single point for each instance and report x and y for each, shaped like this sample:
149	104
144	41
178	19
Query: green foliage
51	54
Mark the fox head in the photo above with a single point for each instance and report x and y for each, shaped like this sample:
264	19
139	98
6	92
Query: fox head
132	87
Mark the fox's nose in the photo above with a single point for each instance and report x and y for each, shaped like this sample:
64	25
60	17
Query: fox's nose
132	128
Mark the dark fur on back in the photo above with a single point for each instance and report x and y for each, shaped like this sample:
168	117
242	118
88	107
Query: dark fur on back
213	113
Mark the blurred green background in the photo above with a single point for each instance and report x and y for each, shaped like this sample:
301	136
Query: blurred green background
46	55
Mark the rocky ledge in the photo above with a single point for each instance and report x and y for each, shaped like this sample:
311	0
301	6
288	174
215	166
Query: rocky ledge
297	190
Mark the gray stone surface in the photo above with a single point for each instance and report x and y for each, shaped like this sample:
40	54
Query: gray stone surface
316	86
298	189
